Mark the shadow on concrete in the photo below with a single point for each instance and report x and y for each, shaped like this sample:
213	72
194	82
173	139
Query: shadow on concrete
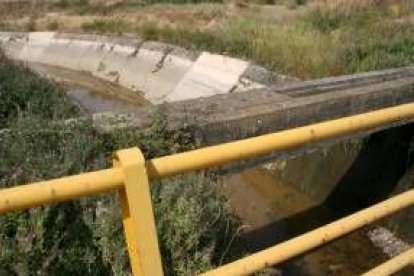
381	163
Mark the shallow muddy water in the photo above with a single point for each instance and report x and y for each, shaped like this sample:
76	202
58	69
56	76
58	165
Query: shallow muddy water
91	94
274	211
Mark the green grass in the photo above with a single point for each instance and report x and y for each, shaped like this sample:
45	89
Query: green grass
195	226
106	26
182	1
332	38
30	25
191	240
84	7
53	239
52	25
85	237
322	42
24	94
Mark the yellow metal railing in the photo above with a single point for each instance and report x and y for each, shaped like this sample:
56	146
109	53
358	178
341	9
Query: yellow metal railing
131	176
394	265
315	238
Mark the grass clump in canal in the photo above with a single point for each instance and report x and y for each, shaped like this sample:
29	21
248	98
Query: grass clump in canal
44	137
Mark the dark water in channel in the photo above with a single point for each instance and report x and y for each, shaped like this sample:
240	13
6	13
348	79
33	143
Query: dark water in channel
288	198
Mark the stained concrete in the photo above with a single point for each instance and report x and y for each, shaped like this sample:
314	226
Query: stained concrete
160	72
226	117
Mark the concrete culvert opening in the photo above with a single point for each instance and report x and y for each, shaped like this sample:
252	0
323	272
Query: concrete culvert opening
275	201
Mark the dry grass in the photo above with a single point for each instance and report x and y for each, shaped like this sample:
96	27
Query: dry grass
322	38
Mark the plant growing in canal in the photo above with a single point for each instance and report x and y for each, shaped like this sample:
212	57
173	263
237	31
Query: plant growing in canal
85	237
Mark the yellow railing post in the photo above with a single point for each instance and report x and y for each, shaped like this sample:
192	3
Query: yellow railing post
131	178
138	214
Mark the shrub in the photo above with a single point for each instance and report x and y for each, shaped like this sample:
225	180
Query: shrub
23	93
52	25
53	239
390	45
62	4
85	237
103	26
31	24
330	39
195	226
196	229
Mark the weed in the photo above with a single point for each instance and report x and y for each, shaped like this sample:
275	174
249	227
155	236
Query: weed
62	4
23	93
293	4
195	226
327	40
85	237
103	26
52	25
30	26
198	240
390	45
183	1
82	2
53	239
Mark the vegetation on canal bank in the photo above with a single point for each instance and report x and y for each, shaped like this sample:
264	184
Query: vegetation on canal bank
322	40
42	139
306	39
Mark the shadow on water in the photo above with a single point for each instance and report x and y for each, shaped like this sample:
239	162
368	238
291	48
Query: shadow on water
372	177
380	165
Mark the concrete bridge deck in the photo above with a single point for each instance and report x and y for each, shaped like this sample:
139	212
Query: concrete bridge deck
228	117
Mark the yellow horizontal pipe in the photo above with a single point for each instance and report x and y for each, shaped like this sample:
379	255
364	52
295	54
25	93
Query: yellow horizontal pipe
91	183
221	154
313	239
66	188
394	265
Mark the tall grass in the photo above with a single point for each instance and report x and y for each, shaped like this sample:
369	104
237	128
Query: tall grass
327	40
106	26
105	7
294	50
23	94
